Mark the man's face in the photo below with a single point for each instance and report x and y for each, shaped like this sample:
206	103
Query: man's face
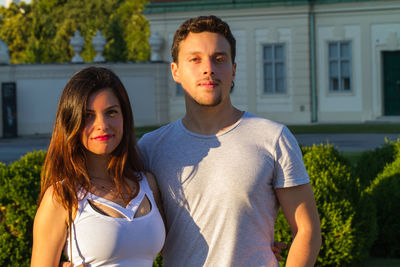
204	69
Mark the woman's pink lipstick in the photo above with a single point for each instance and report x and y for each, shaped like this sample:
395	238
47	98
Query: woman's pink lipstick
103	137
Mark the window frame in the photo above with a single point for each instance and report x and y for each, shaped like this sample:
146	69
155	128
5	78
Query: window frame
274	61
339	60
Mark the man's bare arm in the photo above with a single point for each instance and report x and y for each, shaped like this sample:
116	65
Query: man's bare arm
298	206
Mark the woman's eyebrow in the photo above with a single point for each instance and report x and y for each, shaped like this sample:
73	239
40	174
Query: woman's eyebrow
110	107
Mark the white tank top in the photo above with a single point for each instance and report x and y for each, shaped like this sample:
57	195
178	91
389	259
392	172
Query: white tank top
101	240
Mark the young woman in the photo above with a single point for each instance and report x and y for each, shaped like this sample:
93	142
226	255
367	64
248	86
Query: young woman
96	201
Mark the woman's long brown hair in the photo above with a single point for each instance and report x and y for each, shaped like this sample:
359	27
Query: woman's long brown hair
65	164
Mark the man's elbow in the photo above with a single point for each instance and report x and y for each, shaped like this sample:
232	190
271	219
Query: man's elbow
315	238
313	234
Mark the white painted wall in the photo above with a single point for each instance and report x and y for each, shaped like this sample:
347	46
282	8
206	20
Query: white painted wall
39	88
372	27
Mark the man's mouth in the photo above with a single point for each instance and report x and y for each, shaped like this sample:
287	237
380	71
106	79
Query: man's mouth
208	84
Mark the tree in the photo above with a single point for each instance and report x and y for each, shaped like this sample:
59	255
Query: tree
40	32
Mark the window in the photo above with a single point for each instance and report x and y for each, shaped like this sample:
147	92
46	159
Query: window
179	90
339	66
274	69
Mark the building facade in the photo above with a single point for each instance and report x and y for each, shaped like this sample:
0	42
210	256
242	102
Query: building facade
300	62
30	94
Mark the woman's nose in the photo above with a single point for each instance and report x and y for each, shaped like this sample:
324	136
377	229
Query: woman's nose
101	122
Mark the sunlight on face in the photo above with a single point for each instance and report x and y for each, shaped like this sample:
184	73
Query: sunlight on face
103	123
205	69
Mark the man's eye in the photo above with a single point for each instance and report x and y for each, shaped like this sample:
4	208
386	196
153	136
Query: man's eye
220	59
194	59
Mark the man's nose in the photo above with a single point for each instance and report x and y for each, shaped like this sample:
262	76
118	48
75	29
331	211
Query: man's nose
208	66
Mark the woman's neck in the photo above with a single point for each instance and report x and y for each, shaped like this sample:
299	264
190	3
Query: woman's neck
97	165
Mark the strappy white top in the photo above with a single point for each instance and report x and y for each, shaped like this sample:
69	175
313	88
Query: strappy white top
101	240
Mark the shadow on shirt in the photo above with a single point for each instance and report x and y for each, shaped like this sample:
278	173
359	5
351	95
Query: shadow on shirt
175	170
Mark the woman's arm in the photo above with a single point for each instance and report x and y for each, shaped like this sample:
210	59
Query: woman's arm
49	231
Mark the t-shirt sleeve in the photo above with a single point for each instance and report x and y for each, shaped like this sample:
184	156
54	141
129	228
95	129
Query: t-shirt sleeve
144	153
289	165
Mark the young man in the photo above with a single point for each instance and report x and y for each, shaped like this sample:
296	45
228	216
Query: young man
223	172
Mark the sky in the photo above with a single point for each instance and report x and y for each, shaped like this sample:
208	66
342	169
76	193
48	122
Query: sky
3	2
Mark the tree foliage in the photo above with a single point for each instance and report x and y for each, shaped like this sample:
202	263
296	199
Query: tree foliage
40	32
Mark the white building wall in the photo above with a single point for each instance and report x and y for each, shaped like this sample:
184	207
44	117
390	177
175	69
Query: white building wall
240	92
251	29
39	88
332	102
362	22
372	26
367	25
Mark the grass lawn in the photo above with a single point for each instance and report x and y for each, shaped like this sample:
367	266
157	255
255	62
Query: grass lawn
376	262
322	128
346	128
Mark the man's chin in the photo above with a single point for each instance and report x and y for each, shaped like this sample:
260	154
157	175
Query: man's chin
210	103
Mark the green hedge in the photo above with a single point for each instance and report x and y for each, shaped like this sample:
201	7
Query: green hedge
348	214
385	192
19	190
372	162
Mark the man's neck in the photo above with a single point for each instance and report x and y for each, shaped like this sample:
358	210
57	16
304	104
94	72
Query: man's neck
210	120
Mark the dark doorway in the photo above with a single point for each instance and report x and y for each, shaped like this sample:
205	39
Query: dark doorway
391	83
9	102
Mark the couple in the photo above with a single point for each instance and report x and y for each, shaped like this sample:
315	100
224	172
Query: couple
220	174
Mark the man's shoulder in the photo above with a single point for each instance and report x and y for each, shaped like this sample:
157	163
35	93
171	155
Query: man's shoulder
158	133
254	121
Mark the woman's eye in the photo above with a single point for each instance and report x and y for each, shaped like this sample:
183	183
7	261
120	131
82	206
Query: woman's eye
194	59
88	116
112	113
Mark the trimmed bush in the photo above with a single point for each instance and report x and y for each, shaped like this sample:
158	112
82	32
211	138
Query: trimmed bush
347	214
385	192
19	190
348	223
371	163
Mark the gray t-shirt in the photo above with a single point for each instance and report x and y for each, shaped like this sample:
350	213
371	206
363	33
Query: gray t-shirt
218	190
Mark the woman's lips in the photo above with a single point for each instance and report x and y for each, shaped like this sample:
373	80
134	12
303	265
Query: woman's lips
102	137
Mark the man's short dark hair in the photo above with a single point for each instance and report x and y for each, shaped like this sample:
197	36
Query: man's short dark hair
203	24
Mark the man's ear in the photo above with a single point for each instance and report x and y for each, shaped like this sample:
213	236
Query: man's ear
234	70
175	72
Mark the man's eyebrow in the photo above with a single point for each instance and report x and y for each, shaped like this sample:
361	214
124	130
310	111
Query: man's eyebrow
198	52
221	54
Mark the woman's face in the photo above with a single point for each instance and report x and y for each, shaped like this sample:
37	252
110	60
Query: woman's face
103	123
